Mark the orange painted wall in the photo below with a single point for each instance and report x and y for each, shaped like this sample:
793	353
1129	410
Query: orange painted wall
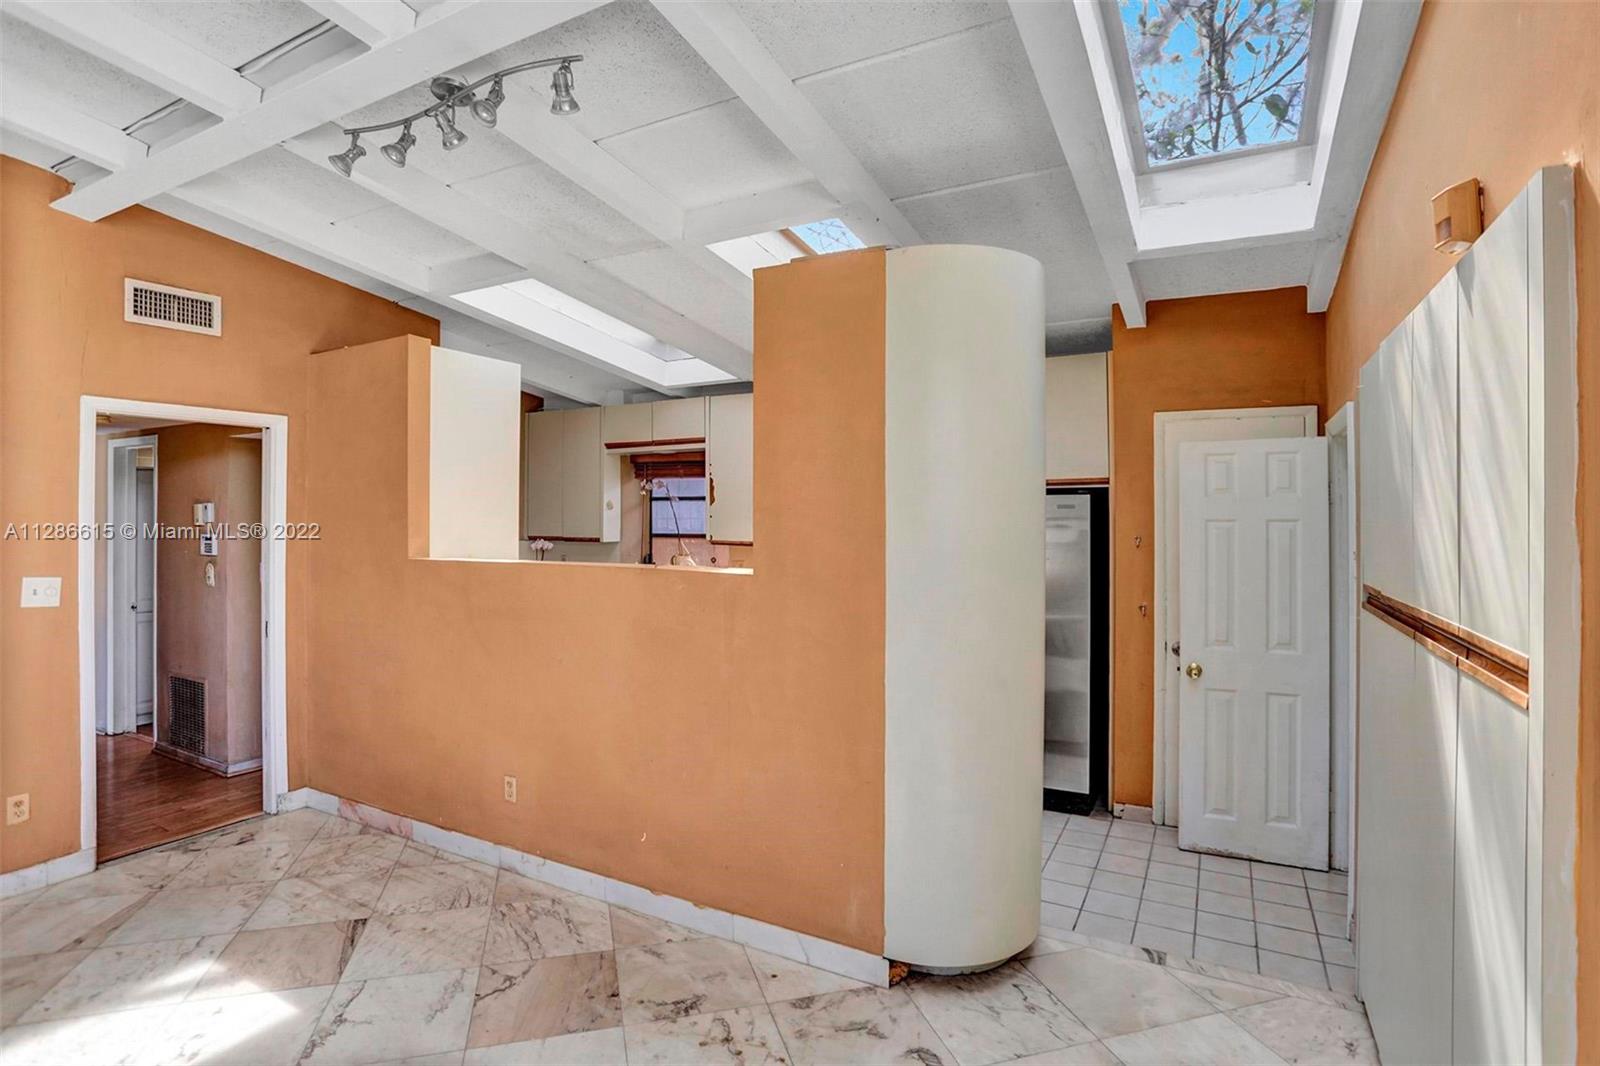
61	336
1495	91
716	736
1257	349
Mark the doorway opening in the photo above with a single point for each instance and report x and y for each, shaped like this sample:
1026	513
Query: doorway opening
181	670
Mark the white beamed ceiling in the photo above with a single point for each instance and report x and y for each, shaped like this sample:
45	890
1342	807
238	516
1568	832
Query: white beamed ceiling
934	126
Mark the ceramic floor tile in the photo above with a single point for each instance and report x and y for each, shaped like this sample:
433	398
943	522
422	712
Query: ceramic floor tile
239	864
1161	938
418	943
362	853
25	979
1341	978
1081	823
393	1018
1175	895
1173	857
1222	927
1069	873
1285	917
149	871
295	956
437	887
599	1047
1335	925
1337	950
1292	968
1165	914
1057	916
1329	881
1121	884
101	1039
302	824
1091	1054
1121	864
1267	871
1329	902
782	978
1226	952
1226	884
264	1029
1223	994
630	929
1303	1030
1111	904
533	920
1075	855
541	998
743	1036
660	981
10	905
1224	864
179	912
47	925
311	900
1166	836
1273	892
414	854
1045	944
1002	1014
1105	927
1138	849
1114	995
340	827
1122	827
1288	941
123	978
1086	841
1174	875
878	1025
1195	1042
1222	903
1062	894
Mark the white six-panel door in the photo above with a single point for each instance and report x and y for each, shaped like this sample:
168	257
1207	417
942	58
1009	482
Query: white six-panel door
1253	701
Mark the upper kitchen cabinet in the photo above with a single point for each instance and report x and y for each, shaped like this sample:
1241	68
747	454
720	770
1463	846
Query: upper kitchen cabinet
626	424
678	420
1075	436
730	469
541	474
572	489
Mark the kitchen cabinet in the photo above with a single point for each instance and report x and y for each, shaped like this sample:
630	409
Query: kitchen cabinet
675	420
541	474
730	468
1076	445
627	423
571	487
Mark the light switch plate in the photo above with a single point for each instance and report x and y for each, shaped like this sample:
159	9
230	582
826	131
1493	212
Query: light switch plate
41	592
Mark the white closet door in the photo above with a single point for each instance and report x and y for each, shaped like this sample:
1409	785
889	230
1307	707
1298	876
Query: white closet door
1388	559
1405	874
1433	510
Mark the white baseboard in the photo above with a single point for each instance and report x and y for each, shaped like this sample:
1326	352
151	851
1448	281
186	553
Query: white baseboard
29	878
763	936
1132	812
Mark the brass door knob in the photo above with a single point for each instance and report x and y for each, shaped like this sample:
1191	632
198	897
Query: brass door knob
1194	670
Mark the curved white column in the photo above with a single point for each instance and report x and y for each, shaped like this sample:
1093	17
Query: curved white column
964	624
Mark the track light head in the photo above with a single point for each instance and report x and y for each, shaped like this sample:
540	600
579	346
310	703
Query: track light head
396	152
561	85
487	110
345	161
450	136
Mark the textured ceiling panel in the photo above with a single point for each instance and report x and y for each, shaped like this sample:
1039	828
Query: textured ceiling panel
805	36
961	110
398	230
537	196
1272	266
636	69
316	188
231	33
1039	215
73	78
673	155
664	274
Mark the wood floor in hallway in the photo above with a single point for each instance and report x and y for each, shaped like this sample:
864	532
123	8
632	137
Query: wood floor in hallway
144	799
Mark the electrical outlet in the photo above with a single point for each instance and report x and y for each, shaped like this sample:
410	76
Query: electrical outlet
511	789
18	809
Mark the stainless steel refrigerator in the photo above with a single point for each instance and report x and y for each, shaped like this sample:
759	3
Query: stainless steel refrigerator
1075	749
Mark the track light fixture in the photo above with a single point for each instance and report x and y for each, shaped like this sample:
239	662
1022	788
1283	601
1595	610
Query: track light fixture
452	94
396	152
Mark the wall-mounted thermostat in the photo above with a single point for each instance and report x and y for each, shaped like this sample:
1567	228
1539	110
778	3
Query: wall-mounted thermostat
208	544
205	513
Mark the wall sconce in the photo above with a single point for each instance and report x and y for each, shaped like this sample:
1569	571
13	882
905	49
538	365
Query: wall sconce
1458	217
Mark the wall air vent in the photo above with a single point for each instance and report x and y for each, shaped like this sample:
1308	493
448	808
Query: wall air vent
150	304
186	714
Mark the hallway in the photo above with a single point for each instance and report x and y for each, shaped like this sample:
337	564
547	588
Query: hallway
143	799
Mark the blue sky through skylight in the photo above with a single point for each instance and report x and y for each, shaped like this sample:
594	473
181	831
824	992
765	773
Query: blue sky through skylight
828	235
1215	76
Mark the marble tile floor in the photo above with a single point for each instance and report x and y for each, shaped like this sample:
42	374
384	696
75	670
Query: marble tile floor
305	938
1126	882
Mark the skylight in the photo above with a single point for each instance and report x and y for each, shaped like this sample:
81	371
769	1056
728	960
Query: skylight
1217	76
829	235
572	324
779	246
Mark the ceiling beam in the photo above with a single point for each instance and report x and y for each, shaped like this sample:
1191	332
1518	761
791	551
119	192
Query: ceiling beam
431	199
44	118
109	32
373	21
283	219
1053	38
791	205
723	39
446	36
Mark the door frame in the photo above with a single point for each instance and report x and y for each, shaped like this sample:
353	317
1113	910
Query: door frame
274	575
120	638
1345	600
1164	771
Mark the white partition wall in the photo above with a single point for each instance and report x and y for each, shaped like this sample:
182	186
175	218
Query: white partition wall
474	423
964	673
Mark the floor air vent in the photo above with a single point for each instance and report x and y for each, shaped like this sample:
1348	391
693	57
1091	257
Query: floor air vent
186	714
150	304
